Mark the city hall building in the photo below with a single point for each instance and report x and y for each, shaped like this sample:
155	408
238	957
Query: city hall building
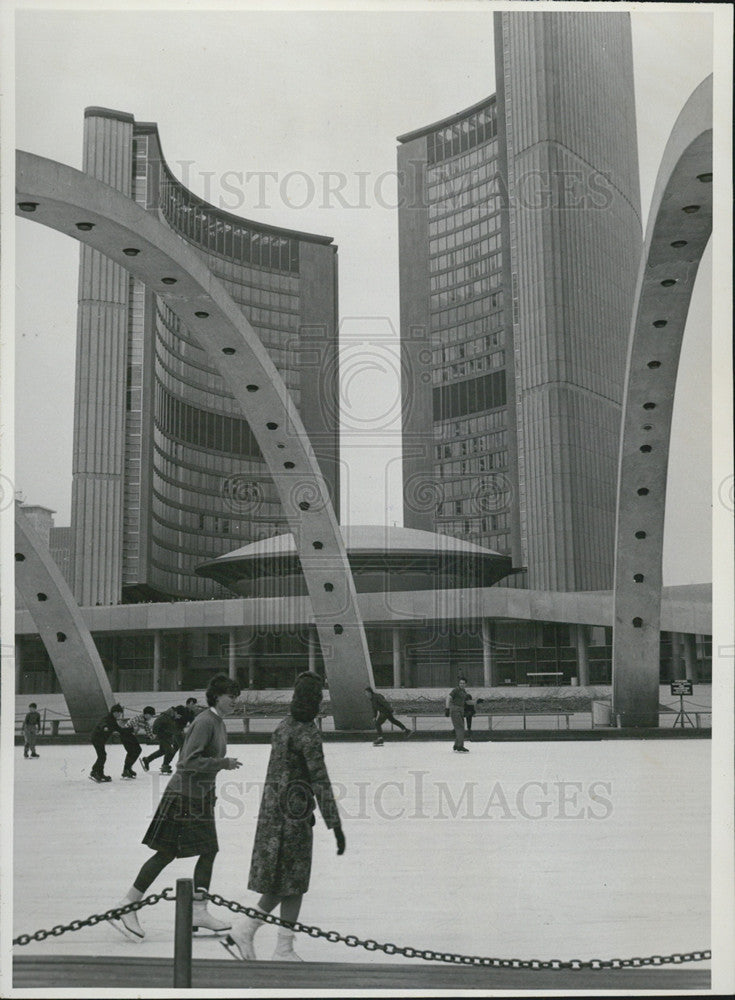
519	242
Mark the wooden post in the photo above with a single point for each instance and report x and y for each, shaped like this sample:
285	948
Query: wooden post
182	933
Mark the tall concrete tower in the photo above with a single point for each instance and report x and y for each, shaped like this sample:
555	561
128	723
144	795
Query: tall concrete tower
519	240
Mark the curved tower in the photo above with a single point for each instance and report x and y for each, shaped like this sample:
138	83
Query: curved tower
167	472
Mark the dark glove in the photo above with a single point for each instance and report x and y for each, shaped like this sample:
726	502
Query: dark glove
340	838
446	712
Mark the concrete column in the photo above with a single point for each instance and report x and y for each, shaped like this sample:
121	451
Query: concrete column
18	665
312	649
396	657
583	659
690	656
157	658
677	656
231	662
487	655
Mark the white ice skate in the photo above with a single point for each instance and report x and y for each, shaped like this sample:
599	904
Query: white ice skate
128	924
202	919
284	947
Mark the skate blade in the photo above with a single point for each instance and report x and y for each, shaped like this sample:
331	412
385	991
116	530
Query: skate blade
231	948
210	931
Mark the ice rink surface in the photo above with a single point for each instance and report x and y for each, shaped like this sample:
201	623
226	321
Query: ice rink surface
514	850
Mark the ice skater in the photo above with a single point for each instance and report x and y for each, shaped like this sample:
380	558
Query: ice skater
280	868
129	737
383	713
167	729
183	825
31	729
455	709
100	735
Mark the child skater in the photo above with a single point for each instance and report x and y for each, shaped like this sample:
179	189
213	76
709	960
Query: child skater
100	735
129	736
183	825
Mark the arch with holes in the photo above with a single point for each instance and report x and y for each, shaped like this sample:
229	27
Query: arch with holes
84	208
679	227
62	629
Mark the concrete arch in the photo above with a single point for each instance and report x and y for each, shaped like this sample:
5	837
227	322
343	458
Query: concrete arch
61	627
74	203
679	227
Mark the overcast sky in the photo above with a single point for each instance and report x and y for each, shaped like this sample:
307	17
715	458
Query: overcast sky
316	99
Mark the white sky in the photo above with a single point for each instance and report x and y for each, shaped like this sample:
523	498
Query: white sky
300	94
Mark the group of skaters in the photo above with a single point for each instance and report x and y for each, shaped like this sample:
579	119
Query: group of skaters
167	730
296	784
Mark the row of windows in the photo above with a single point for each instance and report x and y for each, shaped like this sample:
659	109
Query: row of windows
468	466
490	522
465	255
461	398
467	272
473	527
200	386
472	328
474	188
487	211
232	477
464	486
454	176
199	522
253	296
471	446
463	163
179	509
439	243
472	310
467	206
184	455
463	135
251	277
204	225
203	428
458	352
472	425
469	291
463	368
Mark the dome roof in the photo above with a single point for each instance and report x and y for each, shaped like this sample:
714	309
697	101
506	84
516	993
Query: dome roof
381	558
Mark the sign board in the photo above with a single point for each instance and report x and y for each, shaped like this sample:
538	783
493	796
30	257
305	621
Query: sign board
681	687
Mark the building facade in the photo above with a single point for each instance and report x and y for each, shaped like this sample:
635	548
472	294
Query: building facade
519	242
166	471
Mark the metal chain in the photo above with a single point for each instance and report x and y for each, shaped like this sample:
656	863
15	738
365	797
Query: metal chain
442	956
352	941
96	918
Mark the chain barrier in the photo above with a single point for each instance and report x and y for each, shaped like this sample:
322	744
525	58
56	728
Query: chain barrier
352	941
96	918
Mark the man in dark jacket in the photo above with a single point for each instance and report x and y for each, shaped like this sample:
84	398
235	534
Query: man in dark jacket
167	729
100	735
383	713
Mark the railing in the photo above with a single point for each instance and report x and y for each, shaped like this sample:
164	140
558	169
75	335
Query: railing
183	927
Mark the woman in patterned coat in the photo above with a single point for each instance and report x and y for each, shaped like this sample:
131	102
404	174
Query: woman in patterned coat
296	780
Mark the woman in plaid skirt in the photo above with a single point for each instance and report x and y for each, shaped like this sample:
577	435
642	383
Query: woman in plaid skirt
183	826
